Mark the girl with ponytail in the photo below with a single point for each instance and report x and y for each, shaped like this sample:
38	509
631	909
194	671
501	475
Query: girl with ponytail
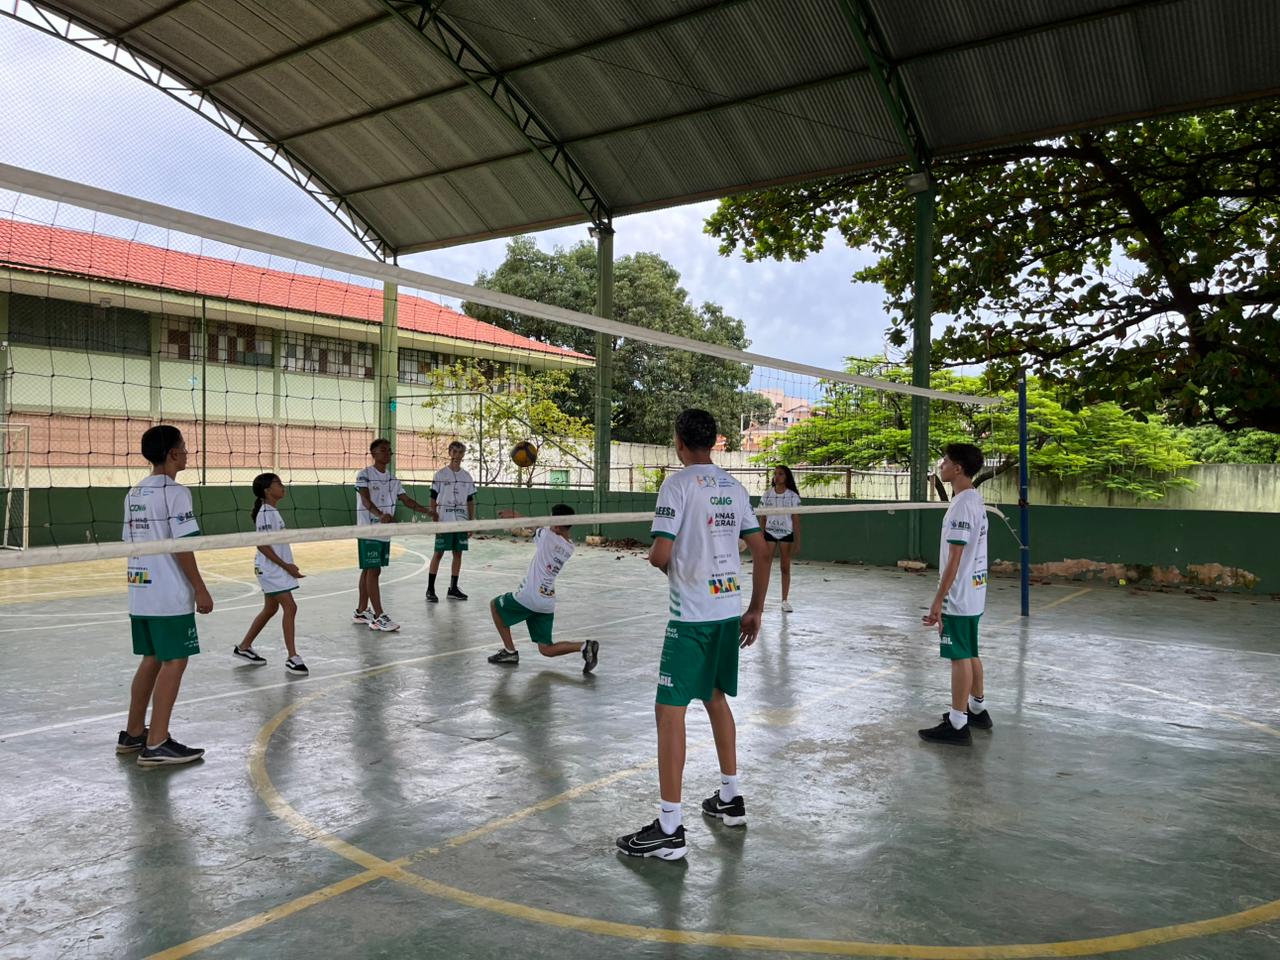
277	574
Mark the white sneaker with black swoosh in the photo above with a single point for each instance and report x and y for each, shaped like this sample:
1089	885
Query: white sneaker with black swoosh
733	813
652	842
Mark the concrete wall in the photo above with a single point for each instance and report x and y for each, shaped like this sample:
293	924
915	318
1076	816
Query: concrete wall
1218	486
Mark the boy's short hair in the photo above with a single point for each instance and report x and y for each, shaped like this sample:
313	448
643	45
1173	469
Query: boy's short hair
696	429
159	441
459	444
380	442
965	456
562	510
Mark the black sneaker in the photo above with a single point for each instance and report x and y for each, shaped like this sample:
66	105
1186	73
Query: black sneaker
980	720
733	813
456	594
295	665
169	752
248	656
652	842
591	654
946	733
128	744
431	597
505	656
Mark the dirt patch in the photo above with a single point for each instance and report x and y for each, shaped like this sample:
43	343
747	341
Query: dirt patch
1213	576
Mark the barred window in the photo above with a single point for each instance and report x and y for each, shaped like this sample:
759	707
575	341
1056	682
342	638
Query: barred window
91	327
416	366
239	343
327	355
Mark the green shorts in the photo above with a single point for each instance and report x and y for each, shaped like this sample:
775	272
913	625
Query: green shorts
511	611
451	542
373	553
697	660
165	638
958	638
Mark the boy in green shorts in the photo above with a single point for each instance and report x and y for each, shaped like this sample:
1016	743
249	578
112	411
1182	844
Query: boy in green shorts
377	493
165	591
961	597
700	515
453	497
534	601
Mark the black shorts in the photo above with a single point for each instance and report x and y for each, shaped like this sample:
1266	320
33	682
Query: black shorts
788	538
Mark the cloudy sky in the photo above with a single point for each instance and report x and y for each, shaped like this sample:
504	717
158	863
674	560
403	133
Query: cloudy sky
77	117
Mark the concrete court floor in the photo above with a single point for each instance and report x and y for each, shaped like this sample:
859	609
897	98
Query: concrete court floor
1130	782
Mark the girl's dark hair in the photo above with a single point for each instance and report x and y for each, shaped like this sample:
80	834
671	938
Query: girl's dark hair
791	478
260	484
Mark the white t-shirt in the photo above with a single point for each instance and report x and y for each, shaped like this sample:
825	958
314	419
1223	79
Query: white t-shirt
779	525
158	508
272	577
384	490
451	489
538	589
705	511
965	523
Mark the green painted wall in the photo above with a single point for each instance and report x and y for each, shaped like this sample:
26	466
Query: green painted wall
1138	539
98	382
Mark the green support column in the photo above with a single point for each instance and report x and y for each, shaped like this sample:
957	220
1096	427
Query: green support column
157	332
6	361
923	315
604	369
388	367
277	395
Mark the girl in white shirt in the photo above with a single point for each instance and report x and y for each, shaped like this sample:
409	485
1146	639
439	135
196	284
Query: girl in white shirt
783	529
277	574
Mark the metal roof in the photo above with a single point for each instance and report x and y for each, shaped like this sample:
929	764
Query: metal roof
434	123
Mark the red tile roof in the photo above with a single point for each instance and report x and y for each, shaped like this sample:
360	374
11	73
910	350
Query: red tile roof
38	247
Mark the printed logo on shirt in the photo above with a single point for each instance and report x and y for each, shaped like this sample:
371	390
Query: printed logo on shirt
668	512
138	577
722	501
704	480
723	518
137	508
664	680
719	585
185	517
980	579
961	525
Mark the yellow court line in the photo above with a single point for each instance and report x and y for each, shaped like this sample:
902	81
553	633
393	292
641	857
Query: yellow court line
376	868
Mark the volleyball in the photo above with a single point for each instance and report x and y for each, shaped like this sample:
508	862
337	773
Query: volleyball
524	454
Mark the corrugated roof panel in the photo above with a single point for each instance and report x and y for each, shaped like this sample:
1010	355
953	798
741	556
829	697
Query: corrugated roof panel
1190	48
499	193
461	128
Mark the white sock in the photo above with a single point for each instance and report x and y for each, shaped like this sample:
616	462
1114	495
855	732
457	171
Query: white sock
728	787
958	719
668	816
977	704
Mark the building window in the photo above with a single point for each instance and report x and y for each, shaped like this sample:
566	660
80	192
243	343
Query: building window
78	326
327	355
417	366
238	343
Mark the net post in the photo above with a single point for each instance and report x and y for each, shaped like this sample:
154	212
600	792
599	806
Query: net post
1024	508
388	366
925	199
156	327
604	369
204	391
4	376
277	395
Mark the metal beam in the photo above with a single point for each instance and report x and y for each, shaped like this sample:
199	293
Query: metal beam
439	36
604	371
294	52
718	7
388	368
79	33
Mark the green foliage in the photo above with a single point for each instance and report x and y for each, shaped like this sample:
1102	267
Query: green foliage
651	384
1139	264
1211	445
493	409
1101	446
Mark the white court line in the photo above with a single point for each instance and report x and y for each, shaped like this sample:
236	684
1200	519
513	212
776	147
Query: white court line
244	606
245	691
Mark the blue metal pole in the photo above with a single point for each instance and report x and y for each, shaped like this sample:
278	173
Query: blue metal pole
1024	509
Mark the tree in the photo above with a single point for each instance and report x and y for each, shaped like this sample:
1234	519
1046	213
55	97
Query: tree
651	384
1100	446
493	409
1141	264
1208	444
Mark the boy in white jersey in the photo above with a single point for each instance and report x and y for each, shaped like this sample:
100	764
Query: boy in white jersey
700	515
164	590
534	601
961	596
377	493
453	497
